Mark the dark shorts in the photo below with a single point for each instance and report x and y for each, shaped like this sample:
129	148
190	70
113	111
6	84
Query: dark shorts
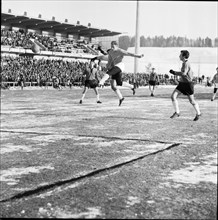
116	74
21	83
152	83
215	90
186	88
91	83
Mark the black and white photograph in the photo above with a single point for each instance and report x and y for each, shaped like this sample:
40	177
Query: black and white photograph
109	109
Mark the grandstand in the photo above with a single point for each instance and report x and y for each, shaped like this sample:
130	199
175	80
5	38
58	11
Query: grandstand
61	38
68	46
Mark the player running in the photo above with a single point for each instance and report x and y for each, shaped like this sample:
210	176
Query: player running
186	86
215	82
115	67
91	80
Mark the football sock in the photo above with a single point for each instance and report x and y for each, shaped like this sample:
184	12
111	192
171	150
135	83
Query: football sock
83	96
214	95
197	109
97	97
119	94
104	78
176	106
126	84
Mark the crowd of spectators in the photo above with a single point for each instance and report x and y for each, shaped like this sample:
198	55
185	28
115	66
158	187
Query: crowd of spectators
20	38
41	71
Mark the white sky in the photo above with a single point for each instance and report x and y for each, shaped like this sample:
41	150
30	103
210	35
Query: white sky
179	18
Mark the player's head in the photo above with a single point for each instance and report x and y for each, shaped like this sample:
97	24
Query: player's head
114	44
92	64
184	54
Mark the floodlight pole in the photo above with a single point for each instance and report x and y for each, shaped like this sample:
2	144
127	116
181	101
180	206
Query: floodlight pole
137	38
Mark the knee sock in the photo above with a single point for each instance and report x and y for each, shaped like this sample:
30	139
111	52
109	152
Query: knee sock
214	95
197	109
104	78
176	106
83	96
97	97
126	84
117	91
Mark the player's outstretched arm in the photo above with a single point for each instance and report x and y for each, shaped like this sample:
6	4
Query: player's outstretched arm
126	53
101	57
101	50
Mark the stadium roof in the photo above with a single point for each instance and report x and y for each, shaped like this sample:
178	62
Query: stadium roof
23	21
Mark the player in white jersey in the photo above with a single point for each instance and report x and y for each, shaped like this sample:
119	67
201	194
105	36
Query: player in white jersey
186	85
115	67
215	82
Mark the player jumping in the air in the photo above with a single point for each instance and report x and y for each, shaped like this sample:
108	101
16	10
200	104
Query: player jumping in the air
115	67
186	85
215	82
91	80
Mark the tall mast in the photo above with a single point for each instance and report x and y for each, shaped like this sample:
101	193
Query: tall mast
137	38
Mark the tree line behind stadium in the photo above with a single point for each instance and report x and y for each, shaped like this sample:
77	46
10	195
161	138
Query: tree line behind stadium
173	41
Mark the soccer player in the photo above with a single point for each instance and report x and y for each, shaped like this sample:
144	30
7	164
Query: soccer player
153	79
186	86
21	81
91	80
215	82
115	67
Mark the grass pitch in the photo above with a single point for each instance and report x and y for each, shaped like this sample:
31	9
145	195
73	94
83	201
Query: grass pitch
62	159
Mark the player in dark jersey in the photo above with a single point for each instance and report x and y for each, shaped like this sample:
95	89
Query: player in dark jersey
91	80
185	87
21	81
153	80
115	67
215	82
